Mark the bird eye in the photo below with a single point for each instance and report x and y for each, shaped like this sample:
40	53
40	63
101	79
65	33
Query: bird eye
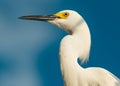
66	14
62	15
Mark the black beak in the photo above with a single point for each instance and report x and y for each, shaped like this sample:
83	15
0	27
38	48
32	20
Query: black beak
39	17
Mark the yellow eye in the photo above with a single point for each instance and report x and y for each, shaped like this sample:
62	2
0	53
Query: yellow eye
65	14
62	15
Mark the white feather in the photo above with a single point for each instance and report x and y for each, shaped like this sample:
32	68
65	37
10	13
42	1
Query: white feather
75	45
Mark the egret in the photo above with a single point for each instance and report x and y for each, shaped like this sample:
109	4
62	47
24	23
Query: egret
73	46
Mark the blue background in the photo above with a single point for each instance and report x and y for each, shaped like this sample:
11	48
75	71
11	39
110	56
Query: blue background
29	49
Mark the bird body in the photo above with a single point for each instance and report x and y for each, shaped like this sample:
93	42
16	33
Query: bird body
76	45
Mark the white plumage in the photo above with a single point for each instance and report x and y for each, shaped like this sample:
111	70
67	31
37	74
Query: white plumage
77	45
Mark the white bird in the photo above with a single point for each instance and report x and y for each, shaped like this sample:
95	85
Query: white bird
76	45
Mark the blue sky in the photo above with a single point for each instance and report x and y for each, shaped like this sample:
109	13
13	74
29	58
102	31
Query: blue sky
29	49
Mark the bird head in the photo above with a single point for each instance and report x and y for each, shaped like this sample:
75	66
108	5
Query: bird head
66	19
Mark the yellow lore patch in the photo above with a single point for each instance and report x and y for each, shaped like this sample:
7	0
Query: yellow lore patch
62	15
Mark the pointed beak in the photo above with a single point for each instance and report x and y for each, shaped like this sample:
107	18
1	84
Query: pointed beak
40	17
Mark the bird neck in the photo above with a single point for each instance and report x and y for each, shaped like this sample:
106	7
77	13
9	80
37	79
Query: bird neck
72	47
82	34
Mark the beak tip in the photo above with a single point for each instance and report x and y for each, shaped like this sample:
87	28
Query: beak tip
22	17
